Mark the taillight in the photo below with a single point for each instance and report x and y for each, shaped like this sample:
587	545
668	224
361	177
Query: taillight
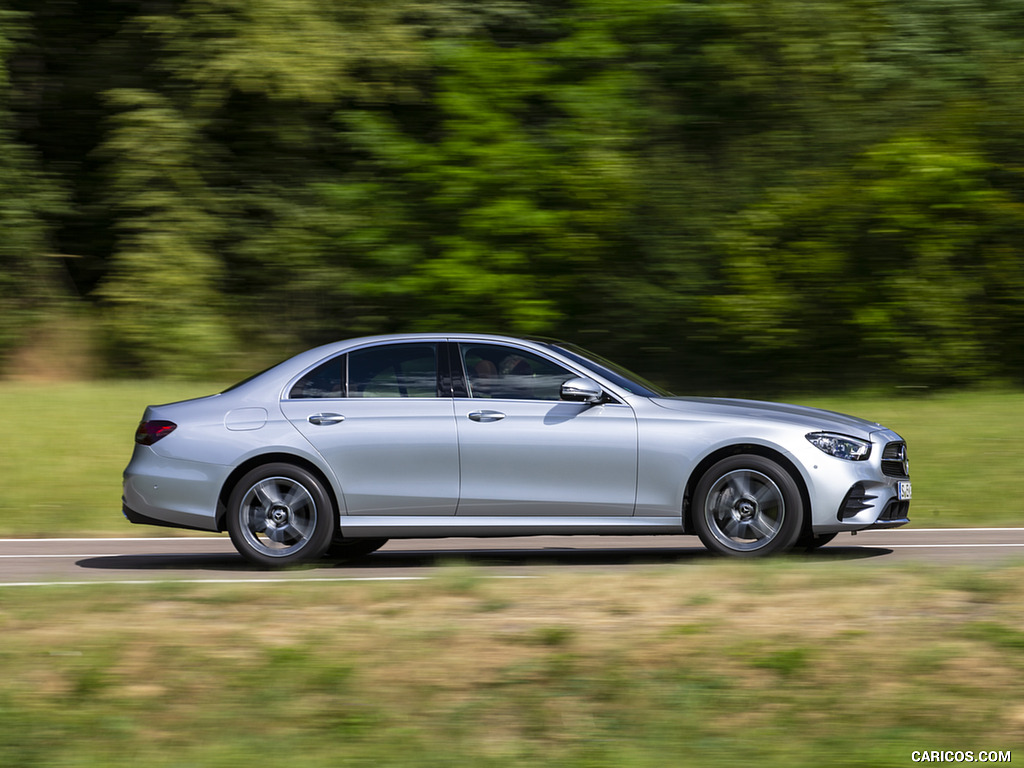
151	431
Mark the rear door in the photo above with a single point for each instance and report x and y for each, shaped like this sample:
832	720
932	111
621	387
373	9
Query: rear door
377	416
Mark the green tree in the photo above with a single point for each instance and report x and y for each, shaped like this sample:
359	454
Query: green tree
27	198
504	208
719	193
888	268
256	84
774	132
163	311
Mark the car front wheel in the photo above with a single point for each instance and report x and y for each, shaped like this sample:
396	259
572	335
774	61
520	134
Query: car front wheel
280	515
747	506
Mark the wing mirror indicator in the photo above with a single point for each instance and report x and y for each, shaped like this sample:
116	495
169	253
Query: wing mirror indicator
582	390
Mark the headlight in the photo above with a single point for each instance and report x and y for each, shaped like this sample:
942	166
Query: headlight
840	446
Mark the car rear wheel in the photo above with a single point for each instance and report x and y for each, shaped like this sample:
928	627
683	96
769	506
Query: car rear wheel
747	506
280	515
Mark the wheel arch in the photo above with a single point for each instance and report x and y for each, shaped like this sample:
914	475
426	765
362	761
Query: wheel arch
755	449
269	458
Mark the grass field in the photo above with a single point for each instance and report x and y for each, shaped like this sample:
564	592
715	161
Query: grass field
782	663
63	447
965	453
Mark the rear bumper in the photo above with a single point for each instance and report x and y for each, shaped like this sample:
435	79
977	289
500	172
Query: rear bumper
140	519
171	492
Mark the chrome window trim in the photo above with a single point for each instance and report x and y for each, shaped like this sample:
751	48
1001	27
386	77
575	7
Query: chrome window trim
438	360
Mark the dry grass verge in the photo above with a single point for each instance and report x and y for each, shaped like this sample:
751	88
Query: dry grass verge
771	663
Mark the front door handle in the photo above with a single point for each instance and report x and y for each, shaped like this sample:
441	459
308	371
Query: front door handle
324	419
486	416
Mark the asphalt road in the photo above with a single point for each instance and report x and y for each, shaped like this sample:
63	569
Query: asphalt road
29	562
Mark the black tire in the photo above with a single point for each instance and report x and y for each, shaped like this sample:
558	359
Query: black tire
280	515
747	506
349	549
808	541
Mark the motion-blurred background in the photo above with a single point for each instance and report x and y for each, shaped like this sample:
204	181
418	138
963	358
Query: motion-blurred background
728	195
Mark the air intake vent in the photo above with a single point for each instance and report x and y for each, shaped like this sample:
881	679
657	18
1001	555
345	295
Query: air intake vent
856	501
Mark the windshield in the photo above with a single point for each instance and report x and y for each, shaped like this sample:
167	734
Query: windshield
615	373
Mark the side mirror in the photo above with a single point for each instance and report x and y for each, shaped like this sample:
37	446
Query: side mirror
581	390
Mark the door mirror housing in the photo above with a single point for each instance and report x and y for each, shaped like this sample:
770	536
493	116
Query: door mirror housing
582	390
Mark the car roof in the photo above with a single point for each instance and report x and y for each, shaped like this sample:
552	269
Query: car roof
360	341
270	382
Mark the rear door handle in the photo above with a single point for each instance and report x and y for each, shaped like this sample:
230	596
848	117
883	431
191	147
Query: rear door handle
486	416
324	419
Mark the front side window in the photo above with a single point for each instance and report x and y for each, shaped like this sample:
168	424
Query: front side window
395	370
507	373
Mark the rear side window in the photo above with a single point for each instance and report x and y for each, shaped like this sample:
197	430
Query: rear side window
395	370
326	380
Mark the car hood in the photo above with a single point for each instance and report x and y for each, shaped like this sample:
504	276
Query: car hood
812	418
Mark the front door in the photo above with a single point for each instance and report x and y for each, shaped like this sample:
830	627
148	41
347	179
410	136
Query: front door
526	453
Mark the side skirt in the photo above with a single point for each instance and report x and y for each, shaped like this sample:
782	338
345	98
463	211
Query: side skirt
421	527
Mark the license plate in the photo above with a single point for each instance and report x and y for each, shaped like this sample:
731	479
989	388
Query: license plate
903	490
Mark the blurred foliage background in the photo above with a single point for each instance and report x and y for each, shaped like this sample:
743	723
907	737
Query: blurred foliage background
748	195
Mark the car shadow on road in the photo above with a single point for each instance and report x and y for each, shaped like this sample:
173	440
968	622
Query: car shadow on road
226	561
590	556
384	561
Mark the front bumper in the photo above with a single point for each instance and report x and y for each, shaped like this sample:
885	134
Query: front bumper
895	514
861	506
865	494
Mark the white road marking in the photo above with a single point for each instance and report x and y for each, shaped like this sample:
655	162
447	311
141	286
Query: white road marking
217	537
966	545
211	537
203	581
945	546
939	530
230	581
69	554
841	543
871	539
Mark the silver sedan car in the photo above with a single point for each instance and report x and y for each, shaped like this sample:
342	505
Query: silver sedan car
347	445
